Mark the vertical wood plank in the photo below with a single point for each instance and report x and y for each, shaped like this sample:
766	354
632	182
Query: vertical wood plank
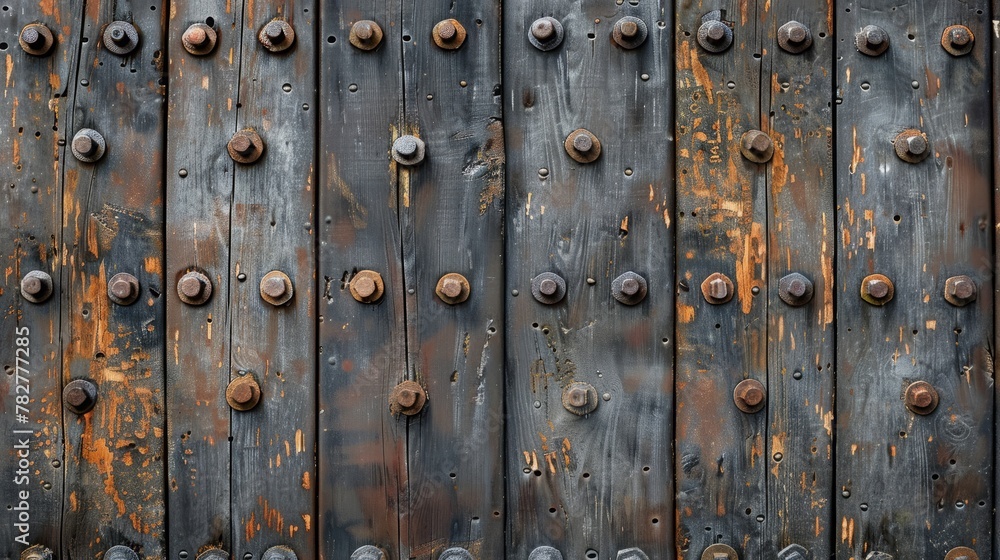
362	448
113	223
452	216
272	230
201	117
801	240
598	485
913	486
34	103
722	222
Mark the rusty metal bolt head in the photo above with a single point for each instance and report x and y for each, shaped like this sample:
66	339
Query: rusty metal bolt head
714	35
36	286
120	552
719	551
749	395
277	35
961	553
408	150
794	37
243	392
545	33
121	37
877	289
88	145
453	288
194	288
36	39
872	40
958	40
279	552
80	395
911	145
580	398
756	146
795	289
448	34
548	288
276	288
717	288
365	35
629	288
246	146
36	552
368	552
582	145
456	554
921	397
629	32
367	286
960	290
213	554
407	398
199	39
123	288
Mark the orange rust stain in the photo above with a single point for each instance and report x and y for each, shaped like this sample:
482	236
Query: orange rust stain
551	460
307	521
857	156
750	250
566	446
685	313
689	55
251	526
306	481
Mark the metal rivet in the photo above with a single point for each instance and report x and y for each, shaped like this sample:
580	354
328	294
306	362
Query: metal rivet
194	288
795	289
36	286
368	552
629	288
448	34
365	34
749	395
629	32
276	288
921	397
243	393
631	554
36	552
756	146
714	35
794	37
80	396
407	398
456	554
545	33
548	288
453	288
580	398
277	35
872	40
199	39
123	288
246	146
958	40
719	551
717	288
960	290
88	145
408	150
911	145
279	552
36	39
582	145
366	286
877	289
121	37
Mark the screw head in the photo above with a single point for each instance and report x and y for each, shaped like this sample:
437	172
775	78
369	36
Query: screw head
121	37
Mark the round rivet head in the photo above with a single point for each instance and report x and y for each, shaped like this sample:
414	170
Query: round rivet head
36	39
121	37
794	37
629	288
960	290
958	40
365	35
368	552
456	554
961	553
453	288
36	552
714	35
749	396
213	554
545	33
123	288
36	286
194	288
911	145
795	289
921	397
872	40
367	286
246	146
545	553
408	150
407	398
582	145
279	552
580	398
877	289
548	288
88	145
756	146
277	35
719	551
629	32
717	288
199	39
448	34
243	393
276	288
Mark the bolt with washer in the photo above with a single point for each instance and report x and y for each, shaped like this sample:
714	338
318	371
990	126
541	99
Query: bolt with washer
123	288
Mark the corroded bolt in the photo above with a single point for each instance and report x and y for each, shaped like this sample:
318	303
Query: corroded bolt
363	30
874	36
120	552
629	29
580	398
365	287
37	552
797	32
756	146
276	288
543	30
368	552
718	289
190	286
911	145
795	289
715	30
279	552
275	32
123	288
577	396
872	40
752	396
548	287
583	143
406	146
408	150
243	392
878	289
241	144
451	287
749	395
630	286
960	290
31	36
273	287
921	397
194	288
446	30
31	285
916	145
195	35
36	286
80	395
960	36
84	144
407	398
119	36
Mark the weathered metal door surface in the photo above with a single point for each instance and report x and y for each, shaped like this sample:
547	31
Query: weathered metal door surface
565	279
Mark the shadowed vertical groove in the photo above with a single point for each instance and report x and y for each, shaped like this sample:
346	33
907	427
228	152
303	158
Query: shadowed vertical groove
834	177
317	96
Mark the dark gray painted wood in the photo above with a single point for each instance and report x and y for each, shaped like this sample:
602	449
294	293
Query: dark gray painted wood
914	486
593	485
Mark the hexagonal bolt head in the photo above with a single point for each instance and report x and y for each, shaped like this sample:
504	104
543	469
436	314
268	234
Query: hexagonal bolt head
276	288
88	145
548	288
84	144
756	146
717	288
794	37
749	395
123	288
121	37
872	40
245	146
367	286
960	36
582	145
958	40
629	32
365	35
877	289
194	288
213	554
408	150
363	30
446	30
960	290
714	36
275	32
199	39
921	397
453	288
243	393
368	552
795	289
80	396
36	286
629	29
542	29
120	552
276	36
407	398
719	551
545	33
580	398
629	288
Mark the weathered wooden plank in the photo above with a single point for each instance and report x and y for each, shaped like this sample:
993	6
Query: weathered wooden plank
452	217
113	223
722	221
800	216
600	484
913	485
201	118
272	230
362	448
34	103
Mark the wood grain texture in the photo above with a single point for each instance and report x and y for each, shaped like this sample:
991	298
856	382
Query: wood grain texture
452	219
913	486
272	229
722	227
201	118
800	234
590	486
113	222
34	102
362	447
